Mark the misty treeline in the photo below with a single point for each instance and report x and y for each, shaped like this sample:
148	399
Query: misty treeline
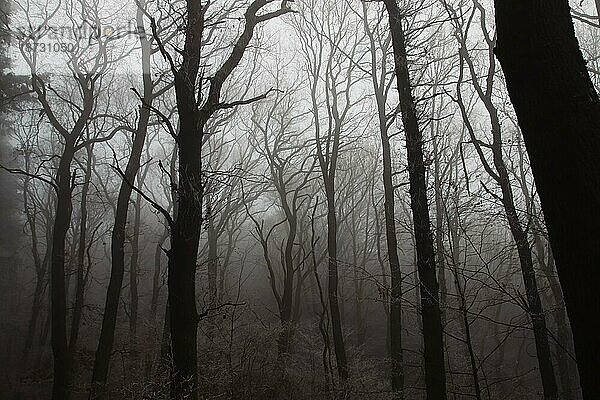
301	199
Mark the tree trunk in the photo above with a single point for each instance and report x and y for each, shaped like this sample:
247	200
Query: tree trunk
156	275
547	267
80	281
395	313
185	236
213	257
393	298
559	114
35	312
435	379
467	330
134	267
566	365
535	310
40	266
64	207
332	288
187	225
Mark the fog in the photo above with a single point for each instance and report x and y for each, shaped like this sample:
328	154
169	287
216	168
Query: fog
289	200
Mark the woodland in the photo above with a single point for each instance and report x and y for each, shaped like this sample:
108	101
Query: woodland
307	199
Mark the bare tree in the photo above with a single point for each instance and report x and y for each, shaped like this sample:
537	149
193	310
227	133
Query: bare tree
195	108
435	379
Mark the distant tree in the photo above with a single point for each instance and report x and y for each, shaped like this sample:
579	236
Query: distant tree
86	66
331	77
289	172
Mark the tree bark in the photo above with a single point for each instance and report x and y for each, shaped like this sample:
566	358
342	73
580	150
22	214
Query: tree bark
547	266
559	114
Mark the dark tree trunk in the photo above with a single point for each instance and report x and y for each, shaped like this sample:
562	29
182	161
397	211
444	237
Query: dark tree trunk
213	257
62	220
185	236
41	266
134	267
81	246
439	209
535	310
288	284
559	114
187	225
547	267
185	232
435	378
332	287
156	275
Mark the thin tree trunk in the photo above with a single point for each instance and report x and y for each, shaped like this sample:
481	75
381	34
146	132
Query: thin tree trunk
536	311
156	275
113	293
80	281
393	299
439	213
134	268
395	313
41	267
213	257
35	312
467	330
564	346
